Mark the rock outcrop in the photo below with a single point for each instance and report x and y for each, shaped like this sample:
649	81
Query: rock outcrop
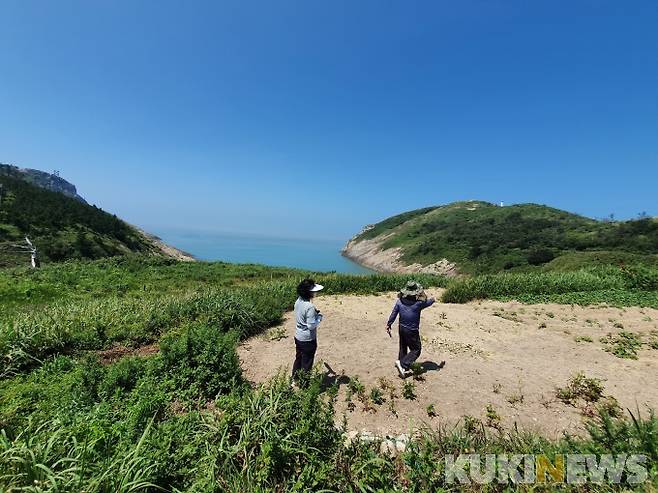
369	253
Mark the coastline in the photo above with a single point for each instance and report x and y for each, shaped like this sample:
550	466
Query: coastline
371	255
166	249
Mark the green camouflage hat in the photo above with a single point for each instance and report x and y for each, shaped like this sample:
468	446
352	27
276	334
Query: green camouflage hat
411	289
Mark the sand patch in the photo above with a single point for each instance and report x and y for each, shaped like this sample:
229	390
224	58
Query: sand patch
509	356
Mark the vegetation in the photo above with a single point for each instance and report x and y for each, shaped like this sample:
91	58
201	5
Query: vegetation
483	238
623	345
581	387
61	227
634	285
184	419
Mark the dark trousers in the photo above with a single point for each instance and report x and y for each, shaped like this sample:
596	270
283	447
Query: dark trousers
305	352
409	347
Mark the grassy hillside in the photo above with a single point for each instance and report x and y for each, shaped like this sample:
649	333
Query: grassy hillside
481	237
61	227
185	419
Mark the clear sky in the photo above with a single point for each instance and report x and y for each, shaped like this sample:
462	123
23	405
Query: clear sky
248	116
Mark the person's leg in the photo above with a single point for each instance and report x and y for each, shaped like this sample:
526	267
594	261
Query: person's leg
413	339
296	365
299	358
403	344
310	347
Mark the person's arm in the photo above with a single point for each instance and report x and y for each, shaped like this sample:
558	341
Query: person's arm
313	318
394	314
426	303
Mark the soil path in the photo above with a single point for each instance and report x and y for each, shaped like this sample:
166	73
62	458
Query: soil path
508	356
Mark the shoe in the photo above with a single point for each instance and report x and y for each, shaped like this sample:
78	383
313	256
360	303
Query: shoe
401	370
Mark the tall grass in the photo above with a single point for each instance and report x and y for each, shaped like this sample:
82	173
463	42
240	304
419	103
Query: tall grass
27	338
185	419
632	285
276	439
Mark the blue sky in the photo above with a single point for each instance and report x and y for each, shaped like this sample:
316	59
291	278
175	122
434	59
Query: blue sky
310	119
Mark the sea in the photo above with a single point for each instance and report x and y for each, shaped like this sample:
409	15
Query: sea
308	254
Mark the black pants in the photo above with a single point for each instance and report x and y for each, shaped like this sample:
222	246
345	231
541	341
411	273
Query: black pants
305	352
409	347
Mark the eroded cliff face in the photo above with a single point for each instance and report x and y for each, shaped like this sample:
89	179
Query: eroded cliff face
43	179
370	254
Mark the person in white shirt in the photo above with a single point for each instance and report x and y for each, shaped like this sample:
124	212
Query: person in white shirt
307	319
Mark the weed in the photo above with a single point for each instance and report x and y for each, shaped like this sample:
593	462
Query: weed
277	334
355	386
493	418
516	398
377	396
580	387
471	424
409	390
622	345
385	384
583	339
497	388
431	412
507	316
417	371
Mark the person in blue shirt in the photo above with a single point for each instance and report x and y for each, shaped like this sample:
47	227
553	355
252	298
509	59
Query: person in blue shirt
411	301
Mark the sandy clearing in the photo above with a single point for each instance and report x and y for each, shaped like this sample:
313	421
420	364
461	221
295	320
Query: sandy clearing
495	353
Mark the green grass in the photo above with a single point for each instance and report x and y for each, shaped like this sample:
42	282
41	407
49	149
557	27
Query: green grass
629	286
80	306
184	419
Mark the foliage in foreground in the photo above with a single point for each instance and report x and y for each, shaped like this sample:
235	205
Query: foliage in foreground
269	439
185	420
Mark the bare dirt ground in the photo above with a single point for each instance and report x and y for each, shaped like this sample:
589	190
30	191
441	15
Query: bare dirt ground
115	353
508	356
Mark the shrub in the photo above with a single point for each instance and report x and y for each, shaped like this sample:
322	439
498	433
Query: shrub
581	387
409	390
201	362
623	345
122	376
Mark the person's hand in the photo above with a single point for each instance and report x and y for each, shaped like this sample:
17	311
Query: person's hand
388	329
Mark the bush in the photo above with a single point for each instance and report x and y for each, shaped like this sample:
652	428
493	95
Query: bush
201	362
546	286
122	376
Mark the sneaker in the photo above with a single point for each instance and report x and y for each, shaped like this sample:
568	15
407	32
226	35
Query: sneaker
401	370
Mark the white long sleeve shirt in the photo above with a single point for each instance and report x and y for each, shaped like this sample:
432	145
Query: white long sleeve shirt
307	320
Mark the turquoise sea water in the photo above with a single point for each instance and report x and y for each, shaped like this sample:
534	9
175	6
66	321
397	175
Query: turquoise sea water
315	255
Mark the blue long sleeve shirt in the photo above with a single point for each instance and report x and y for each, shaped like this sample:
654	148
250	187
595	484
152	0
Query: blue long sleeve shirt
409	312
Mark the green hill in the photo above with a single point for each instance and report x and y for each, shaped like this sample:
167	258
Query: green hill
480	237
61	227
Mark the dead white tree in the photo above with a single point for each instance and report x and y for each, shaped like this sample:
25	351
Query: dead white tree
34	259
29	247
